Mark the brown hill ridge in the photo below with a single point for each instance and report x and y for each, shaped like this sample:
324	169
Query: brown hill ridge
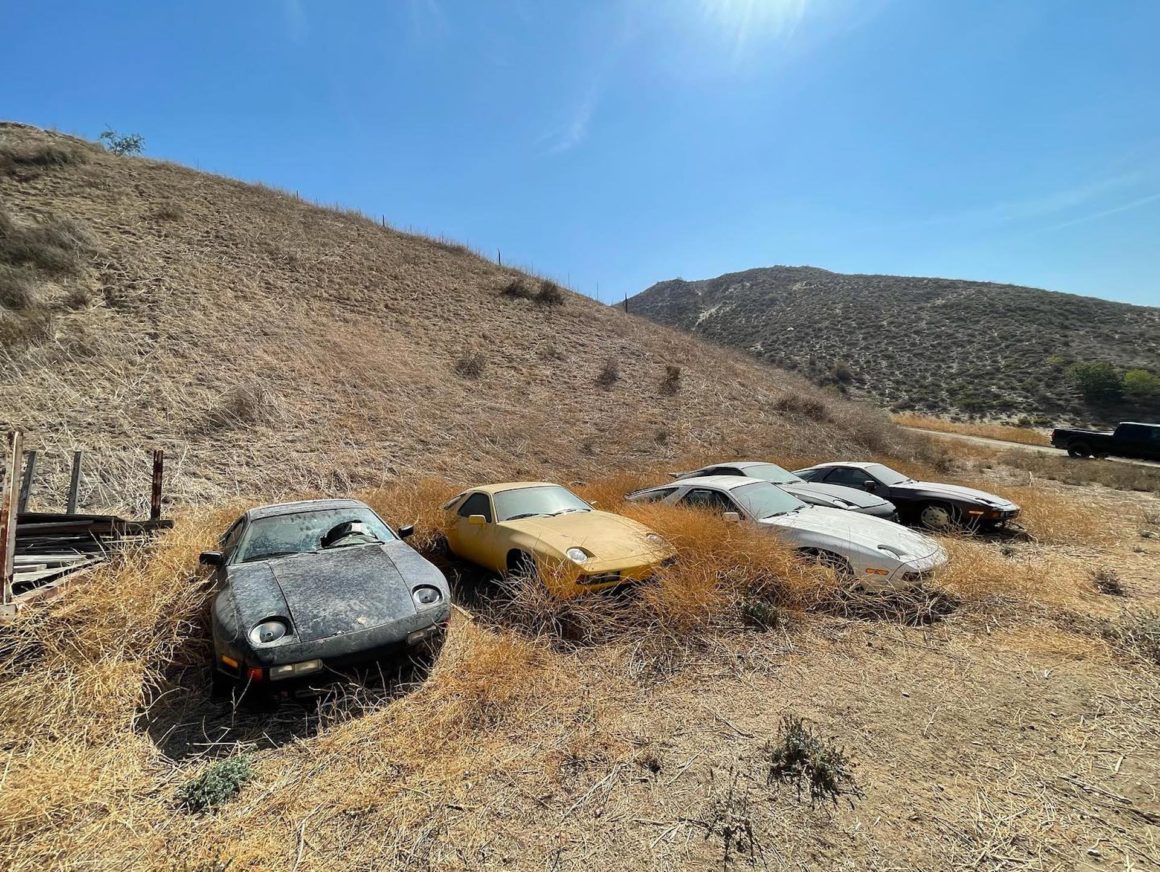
926	344
273	346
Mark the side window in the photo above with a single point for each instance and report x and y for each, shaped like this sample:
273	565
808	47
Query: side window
476	504
230	540
810	474
724	470
849	476
1131	433
709	499
655	496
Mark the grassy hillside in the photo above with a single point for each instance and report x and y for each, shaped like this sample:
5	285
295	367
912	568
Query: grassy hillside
928	345
272	346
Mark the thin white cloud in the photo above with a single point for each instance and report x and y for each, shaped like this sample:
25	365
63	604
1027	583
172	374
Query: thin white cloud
427	19
575	130
297	27
1043	205
1105	213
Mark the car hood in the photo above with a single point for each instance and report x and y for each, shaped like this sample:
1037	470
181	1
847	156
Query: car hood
860	498
329	593
602	534
850	528
953	492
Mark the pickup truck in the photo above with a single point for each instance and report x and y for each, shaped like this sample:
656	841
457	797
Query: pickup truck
1130	439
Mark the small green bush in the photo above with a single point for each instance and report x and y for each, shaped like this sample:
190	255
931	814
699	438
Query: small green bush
1141	385
808	761
122	144
219	783
1098	381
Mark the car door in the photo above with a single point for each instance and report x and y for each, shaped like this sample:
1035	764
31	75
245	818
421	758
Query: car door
475	542
856	477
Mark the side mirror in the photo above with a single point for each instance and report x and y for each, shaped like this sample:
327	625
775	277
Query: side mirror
868	486
732	517
211	558
406	531
476	520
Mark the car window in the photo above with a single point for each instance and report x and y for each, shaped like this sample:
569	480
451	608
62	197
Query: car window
527	502
764	500
230	540
771	472
303	532
849	476
886	475
811	474
476	504
654	496
722	470
703	498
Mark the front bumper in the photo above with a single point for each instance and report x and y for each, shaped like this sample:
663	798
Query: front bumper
603	576
992	517
919	571
396	640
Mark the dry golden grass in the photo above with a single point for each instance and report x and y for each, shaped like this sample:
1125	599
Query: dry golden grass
1002	432
609	743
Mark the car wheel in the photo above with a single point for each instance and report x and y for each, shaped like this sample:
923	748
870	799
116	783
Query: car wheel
839	564
1079	449
936	516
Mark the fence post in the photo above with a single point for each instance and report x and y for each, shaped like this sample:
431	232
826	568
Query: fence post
74	484
155	496
26	482
8	500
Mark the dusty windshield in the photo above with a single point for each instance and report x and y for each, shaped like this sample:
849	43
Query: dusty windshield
303	532
771	472
527	502
762	500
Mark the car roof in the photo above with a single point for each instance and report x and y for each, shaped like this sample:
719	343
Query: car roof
740	464
509	485
857	464
725	482
302	506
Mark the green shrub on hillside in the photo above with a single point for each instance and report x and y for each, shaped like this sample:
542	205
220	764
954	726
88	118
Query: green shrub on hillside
1098	381
1141	385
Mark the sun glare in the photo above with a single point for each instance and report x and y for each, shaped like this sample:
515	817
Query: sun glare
744	20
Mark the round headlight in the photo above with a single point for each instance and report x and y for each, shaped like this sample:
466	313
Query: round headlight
655	538
268	632
576	555
426	596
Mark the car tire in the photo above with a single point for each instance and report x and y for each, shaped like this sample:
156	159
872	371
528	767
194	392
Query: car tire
830	560
1079	449
937	516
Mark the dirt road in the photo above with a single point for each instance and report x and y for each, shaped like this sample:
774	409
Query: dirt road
1045	449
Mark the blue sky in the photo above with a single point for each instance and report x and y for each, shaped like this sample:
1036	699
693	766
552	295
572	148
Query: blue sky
615	143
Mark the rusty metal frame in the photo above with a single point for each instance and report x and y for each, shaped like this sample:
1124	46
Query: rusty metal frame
8	502
158	476
27	481
74	484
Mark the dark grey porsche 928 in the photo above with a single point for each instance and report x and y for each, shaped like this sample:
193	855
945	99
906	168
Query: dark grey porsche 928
305	587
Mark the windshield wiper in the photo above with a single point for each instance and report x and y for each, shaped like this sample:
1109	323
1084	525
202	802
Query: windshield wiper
566	511
524	515
271	555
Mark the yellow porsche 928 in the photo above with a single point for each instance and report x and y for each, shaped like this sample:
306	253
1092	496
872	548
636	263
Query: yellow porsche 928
544	529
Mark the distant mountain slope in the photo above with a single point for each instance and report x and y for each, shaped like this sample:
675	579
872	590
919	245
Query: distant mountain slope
937	345
274	347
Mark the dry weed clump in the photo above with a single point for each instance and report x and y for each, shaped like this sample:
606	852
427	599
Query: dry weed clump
806	760
471	365
246	405
609	373
671	383
16	158
418	502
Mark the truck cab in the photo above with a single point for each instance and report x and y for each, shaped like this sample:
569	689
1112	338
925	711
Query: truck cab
1130	439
